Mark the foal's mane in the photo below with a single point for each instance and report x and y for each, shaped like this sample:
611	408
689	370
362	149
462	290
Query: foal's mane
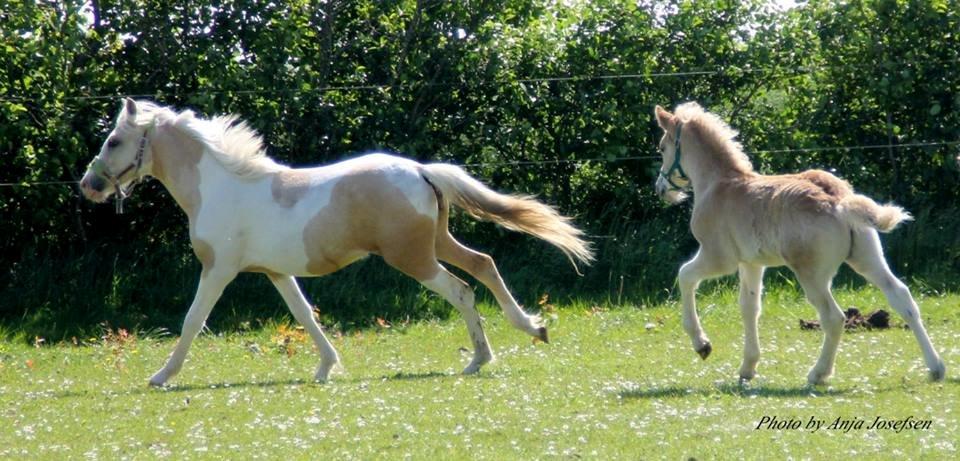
715	134
228	139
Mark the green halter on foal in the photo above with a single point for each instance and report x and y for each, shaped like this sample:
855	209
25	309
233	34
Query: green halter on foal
676	166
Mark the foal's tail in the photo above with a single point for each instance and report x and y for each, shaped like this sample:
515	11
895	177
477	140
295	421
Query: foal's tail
860	210
515	212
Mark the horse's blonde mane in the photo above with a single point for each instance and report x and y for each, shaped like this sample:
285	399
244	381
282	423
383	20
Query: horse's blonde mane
715	134
228	139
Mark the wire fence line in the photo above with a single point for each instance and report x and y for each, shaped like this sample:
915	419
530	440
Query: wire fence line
717	70
572	78
605	159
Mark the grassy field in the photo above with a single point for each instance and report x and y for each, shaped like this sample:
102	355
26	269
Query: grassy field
614	384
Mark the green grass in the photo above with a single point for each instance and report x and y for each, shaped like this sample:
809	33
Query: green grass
607	387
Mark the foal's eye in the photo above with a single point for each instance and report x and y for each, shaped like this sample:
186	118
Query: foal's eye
112	143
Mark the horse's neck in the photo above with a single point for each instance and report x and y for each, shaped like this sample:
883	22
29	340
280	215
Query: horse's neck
181	164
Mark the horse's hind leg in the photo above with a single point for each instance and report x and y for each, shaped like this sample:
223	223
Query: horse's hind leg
417	259
482	267
867	259
458	293
300	308
751	287
817	289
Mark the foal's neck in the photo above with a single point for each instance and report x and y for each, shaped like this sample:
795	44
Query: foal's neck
710	167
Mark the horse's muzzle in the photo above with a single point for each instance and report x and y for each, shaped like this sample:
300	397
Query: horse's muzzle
92	187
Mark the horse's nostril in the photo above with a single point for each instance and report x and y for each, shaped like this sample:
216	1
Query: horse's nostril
96	183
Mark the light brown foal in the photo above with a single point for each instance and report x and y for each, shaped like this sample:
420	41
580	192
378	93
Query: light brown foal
811	222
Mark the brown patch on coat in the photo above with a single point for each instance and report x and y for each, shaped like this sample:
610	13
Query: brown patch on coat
367	214
176	157
289	186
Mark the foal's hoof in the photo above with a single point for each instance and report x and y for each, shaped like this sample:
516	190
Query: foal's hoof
542	334
705	351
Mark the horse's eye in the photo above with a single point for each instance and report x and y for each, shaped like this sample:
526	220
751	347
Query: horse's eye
112	143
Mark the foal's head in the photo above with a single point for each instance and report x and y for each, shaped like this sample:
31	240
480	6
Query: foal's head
124	157
672	183
697	146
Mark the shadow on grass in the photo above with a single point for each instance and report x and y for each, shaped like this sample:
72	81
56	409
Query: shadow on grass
196	387
730	389
146	389
401	376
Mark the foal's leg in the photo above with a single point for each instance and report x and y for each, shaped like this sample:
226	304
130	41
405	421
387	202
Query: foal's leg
867	259
208	292
817	289
703	266
751	287
300	308
482	267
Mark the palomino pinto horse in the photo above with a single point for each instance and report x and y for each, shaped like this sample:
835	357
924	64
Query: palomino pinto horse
249	214
812	222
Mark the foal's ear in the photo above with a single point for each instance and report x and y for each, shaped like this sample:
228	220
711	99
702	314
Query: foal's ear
665	119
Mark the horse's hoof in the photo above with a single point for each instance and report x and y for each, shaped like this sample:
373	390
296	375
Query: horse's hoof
939	372
705	351
542	334
817	378
472	369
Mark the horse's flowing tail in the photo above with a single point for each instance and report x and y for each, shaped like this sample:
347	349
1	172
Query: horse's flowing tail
516	212
860	210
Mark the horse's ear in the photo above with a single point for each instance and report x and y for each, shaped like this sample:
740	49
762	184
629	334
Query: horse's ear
665	119
130	106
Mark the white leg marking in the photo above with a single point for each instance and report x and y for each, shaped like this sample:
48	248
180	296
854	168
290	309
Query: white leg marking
461	296
301	310
208	292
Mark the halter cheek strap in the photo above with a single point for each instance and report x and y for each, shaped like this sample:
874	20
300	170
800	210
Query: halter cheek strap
676	167
99	168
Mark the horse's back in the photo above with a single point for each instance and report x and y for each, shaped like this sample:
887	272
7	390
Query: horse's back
377	203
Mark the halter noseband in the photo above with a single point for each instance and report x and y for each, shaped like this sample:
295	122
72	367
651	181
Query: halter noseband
675	167
99	168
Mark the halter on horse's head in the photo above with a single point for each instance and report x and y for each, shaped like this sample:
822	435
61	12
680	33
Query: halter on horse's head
122	159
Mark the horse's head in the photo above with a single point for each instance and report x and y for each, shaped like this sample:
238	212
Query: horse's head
123	158
672	182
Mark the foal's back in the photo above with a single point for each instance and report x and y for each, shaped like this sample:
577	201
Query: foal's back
774	220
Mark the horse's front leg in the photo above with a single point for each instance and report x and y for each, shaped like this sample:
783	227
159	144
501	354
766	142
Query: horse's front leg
208	292
703	266
751	287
